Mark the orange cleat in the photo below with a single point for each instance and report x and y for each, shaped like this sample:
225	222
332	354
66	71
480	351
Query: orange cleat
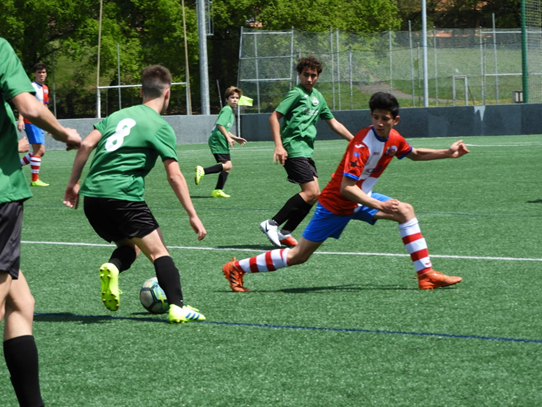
287	240
234	275
433	279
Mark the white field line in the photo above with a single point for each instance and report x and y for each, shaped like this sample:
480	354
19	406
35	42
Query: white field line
235	249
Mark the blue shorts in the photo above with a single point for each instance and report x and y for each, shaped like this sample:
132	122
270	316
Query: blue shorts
34	134
326	224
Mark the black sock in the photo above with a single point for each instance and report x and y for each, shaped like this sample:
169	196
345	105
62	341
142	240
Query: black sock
296	218
293	204
21	357
222	177
169	279
213	169
123	257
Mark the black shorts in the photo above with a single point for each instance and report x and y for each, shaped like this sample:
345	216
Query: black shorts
220	158
11	222
300	170
115	219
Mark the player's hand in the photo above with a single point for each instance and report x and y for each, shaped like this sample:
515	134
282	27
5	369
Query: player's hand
24	146
230	141
73	141
241	141
20	125
71	196
391	206
280	155
198	227
458	149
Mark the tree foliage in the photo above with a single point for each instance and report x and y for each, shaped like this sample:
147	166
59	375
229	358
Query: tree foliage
151	32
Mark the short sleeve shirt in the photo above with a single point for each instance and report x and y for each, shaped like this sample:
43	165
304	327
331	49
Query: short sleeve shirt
301	111
365	159
13	81
132	140
217	142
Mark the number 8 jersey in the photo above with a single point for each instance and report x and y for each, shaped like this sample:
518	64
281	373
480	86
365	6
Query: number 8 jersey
132	140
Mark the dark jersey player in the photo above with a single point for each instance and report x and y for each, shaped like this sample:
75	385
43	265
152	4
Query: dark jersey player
127	145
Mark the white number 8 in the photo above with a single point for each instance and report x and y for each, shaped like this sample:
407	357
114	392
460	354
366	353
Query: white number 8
117	138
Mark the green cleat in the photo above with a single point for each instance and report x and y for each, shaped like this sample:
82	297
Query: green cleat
200	172
109	277
38	183
185	314
218	193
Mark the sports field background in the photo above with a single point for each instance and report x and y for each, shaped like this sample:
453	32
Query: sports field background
348	328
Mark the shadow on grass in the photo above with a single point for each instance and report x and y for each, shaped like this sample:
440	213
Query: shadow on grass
344	288
263	248
94	319
536	201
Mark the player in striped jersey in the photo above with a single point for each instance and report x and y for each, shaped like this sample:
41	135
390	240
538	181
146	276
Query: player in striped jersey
349	195
35	135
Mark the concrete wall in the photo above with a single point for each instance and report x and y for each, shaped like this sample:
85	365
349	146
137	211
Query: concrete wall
189	129
457	121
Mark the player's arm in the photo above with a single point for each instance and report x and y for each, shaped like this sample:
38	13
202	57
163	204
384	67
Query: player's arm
280	154
20	122
71	195
38	114
178	183
339	128
456	150
351	191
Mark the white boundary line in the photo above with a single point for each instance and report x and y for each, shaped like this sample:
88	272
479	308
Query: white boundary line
441	256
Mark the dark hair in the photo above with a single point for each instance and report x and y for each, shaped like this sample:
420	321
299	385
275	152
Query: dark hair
39	66
384	101
231	90
154	80
309	62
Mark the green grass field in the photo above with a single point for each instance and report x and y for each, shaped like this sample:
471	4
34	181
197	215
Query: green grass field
347	328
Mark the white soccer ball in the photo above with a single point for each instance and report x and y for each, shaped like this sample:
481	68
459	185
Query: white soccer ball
152	297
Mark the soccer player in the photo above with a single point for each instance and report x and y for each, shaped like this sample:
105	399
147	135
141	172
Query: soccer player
35	135
220	142
127	145
349	196
16	301
294	145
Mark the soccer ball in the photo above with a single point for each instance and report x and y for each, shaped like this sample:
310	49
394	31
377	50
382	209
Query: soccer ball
152	297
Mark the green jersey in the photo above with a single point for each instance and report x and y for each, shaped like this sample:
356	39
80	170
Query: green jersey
217	142
301	111
132	140
13	81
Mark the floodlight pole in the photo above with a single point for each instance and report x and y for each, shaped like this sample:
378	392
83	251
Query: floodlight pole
203	65
524	64
424	52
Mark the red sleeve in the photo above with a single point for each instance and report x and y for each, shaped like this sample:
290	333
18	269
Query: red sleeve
356	156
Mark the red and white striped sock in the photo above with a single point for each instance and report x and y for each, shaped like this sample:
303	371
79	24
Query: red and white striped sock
415	245
269	261
35	164
26	159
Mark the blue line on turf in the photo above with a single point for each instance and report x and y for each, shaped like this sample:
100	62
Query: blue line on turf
307	328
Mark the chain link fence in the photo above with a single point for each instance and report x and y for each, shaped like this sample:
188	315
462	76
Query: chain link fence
464	66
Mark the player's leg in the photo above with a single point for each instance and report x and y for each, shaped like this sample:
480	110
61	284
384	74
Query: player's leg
266	262
300	171
36	139
20	351
153	246
416	246
324	224
120	260
225	161
17	309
